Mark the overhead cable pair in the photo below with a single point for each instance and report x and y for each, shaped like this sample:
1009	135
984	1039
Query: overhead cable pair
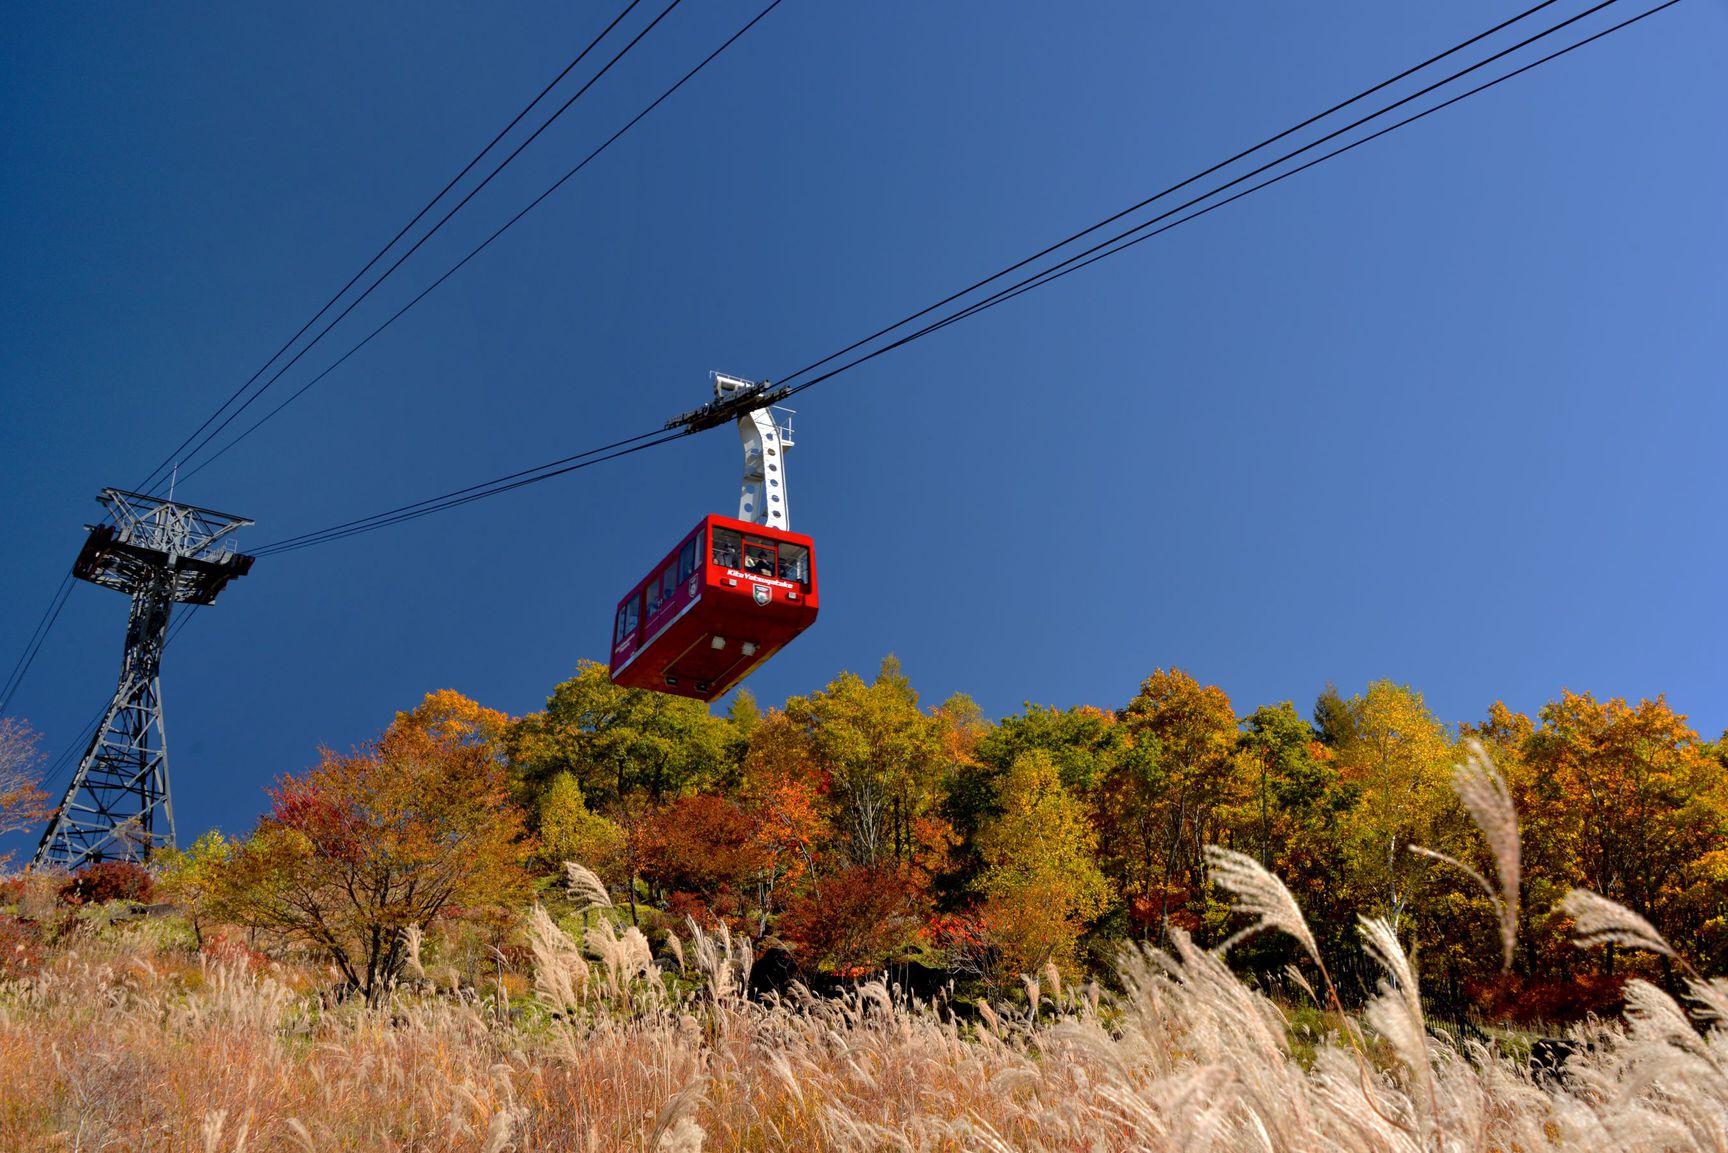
1112	245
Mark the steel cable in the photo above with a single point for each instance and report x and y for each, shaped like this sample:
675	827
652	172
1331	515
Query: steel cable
174	456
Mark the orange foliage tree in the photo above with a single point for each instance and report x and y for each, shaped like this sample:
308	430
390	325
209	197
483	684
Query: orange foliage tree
363	846
1637	809
788	829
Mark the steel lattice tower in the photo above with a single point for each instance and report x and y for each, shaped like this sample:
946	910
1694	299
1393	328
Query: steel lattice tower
161	554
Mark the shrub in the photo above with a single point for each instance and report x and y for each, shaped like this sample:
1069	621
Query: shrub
108	881
1531	1003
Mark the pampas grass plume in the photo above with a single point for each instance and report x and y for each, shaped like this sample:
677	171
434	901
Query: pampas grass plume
1599	921
586	889
1260	894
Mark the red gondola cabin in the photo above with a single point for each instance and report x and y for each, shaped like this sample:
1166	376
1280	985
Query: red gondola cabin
722	602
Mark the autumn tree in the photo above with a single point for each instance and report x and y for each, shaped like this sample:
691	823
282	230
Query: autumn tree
847	788
1398	756
744	715
99	882
882	758
192	878
569	831
1084	742
629	751
853	920
1168	794
1549	859
452	719
22	800
1291	778
365	845
625	747
1041	883
701	851
1294	800
784	803
1640	808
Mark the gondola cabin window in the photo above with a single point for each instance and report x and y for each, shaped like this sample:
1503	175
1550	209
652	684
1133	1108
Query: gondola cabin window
626	622
728	547
794	562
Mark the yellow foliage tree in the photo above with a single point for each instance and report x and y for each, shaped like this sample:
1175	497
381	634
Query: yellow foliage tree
569	832
192	877
1398	756
883	758
1041	881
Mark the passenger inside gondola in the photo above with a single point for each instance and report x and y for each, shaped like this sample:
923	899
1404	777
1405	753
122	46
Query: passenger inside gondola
758	558
726	546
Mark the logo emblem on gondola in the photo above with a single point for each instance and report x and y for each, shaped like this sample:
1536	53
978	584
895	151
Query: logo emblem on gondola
762	593
694	581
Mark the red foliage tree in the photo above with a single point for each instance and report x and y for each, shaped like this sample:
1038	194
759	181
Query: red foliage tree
108	881
853	921
704	848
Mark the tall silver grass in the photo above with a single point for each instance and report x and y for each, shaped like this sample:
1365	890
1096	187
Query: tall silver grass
1261	895
112	1049
1396	1014
1483	792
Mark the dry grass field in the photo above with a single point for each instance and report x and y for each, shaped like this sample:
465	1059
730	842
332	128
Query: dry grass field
121	1043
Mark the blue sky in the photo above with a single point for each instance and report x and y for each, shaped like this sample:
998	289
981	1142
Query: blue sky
1447	410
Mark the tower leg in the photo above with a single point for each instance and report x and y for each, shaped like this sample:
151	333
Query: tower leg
117	807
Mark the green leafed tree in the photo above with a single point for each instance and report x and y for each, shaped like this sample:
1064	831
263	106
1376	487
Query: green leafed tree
1084	742
1294	800
622	745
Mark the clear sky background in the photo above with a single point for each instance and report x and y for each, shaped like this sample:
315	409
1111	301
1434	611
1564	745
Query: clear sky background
1448	410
